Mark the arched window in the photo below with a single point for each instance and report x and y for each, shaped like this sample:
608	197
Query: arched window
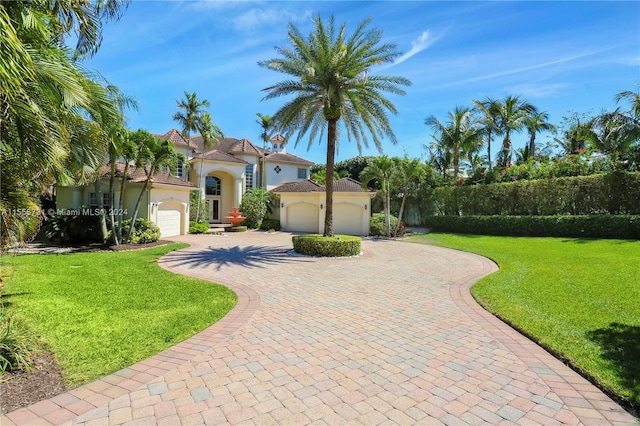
212	185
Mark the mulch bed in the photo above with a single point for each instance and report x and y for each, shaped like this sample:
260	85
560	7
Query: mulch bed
21	389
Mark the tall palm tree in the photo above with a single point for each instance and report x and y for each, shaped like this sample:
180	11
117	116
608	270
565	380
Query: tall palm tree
459	133
440	157
266	122
194	119
331	84
381	169
535	123
634	102
512	112
612	133
153	155
488	110
409	172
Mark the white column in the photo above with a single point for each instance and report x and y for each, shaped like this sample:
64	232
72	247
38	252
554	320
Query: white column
239	192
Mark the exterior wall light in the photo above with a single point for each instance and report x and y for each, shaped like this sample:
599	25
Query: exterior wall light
321	206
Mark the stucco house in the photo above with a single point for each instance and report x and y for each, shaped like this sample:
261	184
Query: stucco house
222	174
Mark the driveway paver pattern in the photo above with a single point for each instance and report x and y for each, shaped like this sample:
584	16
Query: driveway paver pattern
389	337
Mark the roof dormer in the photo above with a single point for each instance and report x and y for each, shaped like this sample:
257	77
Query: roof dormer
279	144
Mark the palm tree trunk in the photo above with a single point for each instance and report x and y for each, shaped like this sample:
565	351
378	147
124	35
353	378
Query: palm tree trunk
387	209
401	212
331	153
121	201
101	216
112	177
135	210
532	147
489	150
200	194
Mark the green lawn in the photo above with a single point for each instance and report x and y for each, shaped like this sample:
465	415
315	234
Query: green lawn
101	312
578	298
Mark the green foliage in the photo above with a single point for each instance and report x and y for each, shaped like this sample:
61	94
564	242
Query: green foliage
269	224
336	246
579	298
202	212
101	312
144	231
591	226
73	228
240	228
616	193
255	206
16	346
198	227
378	225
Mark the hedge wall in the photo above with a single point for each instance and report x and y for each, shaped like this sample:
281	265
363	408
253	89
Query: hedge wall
583	195
593	226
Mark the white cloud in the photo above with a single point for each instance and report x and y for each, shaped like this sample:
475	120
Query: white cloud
255	18
537	91
425	40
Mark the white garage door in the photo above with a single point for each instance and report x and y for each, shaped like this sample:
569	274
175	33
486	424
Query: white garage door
302	217
169	219
347	219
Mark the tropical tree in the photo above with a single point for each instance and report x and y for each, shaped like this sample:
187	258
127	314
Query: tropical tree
536	122
153	155
459	134
331	84
266	122
321	176
409	172
634	103
194	118
612	133
511	113
439	156
488	110
382	169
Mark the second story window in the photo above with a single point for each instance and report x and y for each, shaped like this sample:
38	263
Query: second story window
248	176
302	173
180	169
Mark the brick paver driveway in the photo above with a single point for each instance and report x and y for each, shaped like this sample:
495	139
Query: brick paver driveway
389	337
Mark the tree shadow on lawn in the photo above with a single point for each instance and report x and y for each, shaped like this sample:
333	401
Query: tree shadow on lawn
248	257
620	345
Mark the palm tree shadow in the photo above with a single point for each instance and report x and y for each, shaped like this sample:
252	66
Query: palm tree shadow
620	346
248	257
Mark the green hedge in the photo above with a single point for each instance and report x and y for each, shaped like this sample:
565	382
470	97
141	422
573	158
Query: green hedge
336	246
593	226
199	227
617	193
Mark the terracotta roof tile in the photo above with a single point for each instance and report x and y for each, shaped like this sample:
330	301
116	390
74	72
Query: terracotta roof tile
137	175
217	155
176	137
306	185
287	158
342	185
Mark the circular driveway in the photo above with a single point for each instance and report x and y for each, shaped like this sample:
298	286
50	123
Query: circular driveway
392	336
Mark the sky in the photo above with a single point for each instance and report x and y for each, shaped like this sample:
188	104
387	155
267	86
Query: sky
562	56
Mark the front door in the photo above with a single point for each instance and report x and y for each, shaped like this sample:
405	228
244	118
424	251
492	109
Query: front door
214	210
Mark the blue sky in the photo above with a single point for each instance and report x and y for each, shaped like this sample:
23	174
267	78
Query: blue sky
562	56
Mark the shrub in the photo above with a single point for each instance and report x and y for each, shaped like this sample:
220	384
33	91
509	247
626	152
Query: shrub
594	226
255	206
73	228
378	226
269	224
15	346
195	199
615	193
198	227
240	228
144	231
336	246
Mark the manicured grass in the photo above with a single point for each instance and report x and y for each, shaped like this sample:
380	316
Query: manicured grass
578	298
101	312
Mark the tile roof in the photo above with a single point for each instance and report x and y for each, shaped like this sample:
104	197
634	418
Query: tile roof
286	158
342	185
137	175
227	145
176	137
216	155
306	185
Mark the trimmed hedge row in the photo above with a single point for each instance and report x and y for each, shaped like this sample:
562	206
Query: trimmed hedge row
616	193
336	246
594	226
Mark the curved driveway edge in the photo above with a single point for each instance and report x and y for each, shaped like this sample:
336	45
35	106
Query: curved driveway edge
390	337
